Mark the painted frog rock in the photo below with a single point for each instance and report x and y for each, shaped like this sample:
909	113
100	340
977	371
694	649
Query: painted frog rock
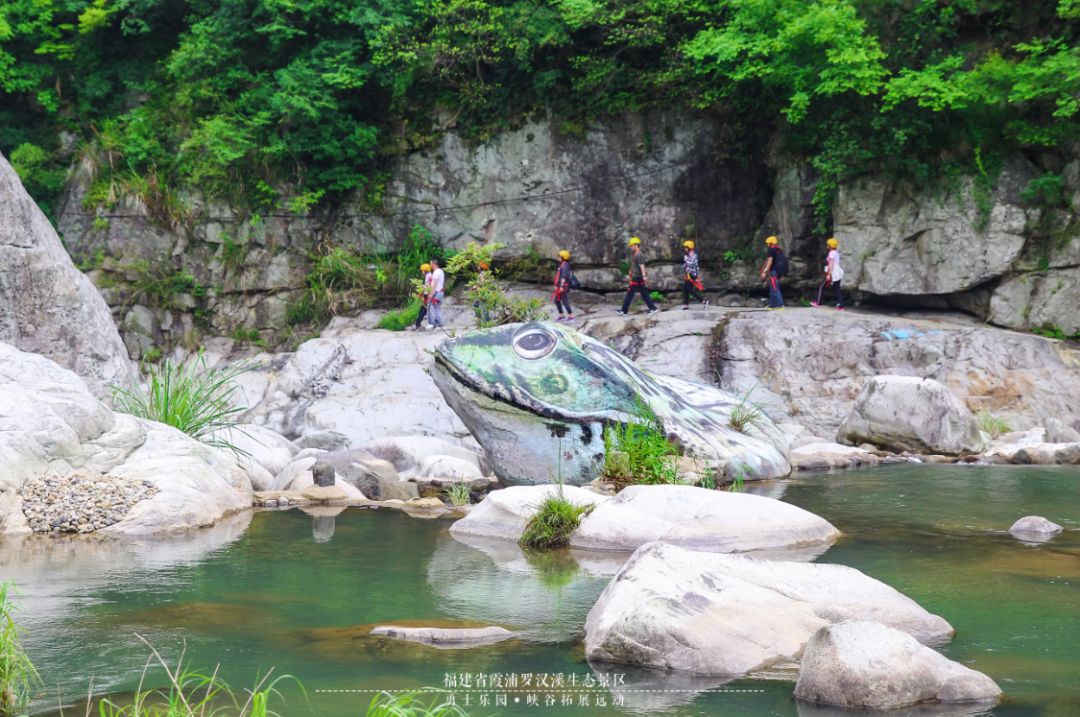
537	396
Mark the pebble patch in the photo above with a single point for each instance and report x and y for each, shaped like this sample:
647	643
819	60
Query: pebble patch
80	503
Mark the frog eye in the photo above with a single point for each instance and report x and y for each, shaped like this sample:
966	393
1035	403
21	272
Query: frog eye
533	342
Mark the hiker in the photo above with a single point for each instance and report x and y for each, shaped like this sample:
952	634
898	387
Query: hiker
692	283
561	295
425	269
438	284
775	267
637	279
834	274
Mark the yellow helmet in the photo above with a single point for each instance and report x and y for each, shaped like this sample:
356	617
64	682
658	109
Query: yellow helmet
634	241
688	244
771	240
425	268
832	243
564	254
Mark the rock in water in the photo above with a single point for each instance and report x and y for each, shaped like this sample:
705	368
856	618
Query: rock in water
906	413
47	306
537	397
716	614
1035	525
504	513
699	519
867	665
446	637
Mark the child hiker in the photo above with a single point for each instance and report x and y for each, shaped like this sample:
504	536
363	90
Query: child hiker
425	269
561	295
692	281
637	279
834	273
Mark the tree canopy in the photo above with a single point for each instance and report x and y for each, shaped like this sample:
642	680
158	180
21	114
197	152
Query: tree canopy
265	102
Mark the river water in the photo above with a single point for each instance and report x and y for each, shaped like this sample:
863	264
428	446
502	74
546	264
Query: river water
299	593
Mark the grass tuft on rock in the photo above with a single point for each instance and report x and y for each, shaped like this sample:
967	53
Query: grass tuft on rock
459	493
18	677
639	452
747	413
553	523
193	398
400	319
993	425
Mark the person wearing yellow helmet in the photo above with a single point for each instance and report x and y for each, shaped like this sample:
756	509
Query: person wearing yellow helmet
773	270
425	290
834	273
692	277
564	277
637	279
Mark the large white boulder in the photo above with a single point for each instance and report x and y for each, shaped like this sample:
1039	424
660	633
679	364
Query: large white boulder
716	614
867	665
907	413
1034	525
50	423
263	447
47	306
504	513
701	519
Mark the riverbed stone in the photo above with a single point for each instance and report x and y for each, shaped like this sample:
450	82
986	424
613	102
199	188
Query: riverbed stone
447	469
716	614
870	666
504	513
322	473
826	455
699	519
446	637
47	306
907	413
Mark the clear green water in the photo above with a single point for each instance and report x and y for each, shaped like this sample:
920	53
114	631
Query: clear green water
263	592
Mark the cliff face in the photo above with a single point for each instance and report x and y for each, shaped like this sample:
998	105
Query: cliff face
46	305
662	177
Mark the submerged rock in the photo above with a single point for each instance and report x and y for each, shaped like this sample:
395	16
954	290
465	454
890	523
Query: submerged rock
1034	525
504	513
867	665
906	413
537	397
446	637
699	519
715	614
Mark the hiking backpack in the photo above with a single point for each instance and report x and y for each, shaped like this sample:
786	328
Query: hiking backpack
781	263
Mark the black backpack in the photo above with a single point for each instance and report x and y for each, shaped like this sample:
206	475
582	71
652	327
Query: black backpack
780	264
574	283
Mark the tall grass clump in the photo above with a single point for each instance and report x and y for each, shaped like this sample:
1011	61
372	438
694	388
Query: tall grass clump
554	521
18	677
459	493
639	452
747	413
994	425
193	398
415	703
400	319
191	693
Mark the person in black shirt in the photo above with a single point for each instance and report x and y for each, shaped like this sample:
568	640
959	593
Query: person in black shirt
771	270
561	295
637	279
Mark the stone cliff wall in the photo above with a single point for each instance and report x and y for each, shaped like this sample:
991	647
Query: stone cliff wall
662	177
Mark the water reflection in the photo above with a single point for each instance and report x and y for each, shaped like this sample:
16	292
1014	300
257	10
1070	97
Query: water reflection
323	521
641	691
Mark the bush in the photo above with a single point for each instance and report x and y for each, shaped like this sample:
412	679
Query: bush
17	674
992	424
639	452
401	319
554	521
192	398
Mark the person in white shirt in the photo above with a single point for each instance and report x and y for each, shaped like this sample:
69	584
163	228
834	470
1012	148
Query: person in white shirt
438	282
834	274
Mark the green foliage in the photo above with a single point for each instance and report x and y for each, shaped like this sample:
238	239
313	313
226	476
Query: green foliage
39	172
248	335
657	296
401	319
1055	332
458	493
300	105
639	452
416	703
491	302
992	424
550	527
157	285
18	678
1047	191
200	401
